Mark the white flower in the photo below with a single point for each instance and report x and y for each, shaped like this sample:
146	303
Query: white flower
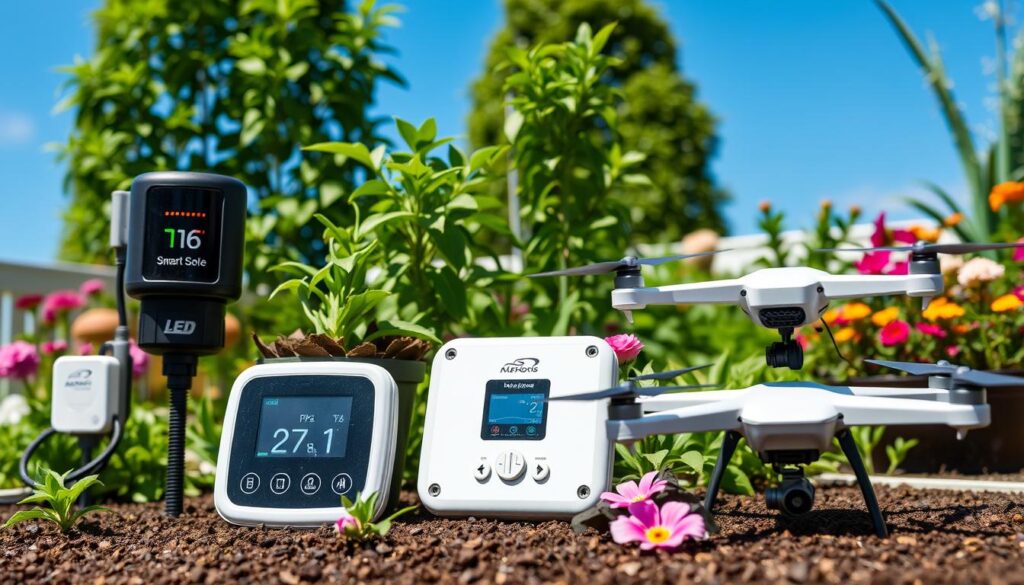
979	270
950	264
13	409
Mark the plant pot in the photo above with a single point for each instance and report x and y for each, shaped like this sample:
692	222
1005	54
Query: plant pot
997	448
408	375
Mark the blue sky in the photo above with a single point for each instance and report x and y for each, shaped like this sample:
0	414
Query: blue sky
816	99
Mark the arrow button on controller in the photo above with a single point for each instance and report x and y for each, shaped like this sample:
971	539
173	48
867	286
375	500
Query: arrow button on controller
540	470
510	465
483	471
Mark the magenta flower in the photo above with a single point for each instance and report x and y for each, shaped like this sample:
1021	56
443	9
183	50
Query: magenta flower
1018	253
347	524
873	262
900	268
140	359
932	330
953	350
60	301
894	333
630	492
1019	291
878	237
85	348
652	527
19	360
904	236
28	302
626	346
55	346
93	286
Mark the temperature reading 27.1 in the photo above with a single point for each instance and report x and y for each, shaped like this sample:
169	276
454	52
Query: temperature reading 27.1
303	426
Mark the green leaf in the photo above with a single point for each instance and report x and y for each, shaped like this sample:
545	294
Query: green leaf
252	65
352	150
382	219
513	122
408	132
403	328
601	38
23	515
427	132
694	460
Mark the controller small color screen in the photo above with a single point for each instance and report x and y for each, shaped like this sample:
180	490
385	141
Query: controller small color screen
304	426
182	235
515	410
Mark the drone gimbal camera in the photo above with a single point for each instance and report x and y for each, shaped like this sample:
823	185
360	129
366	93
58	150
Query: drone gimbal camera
186	234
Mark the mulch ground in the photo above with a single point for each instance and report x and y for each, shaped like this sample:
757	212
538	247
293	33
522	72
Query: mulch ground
937	537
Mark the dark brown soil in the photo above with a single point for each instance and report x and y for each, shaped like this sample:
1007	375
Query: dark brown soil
937	537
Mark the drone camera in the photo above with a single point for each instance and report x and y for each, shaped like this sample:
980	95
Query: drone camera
795	496
786	353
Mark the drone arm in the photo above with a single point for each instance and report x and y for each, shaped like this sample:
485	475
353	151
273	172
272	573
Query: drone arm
889	392
715	416
874	410
846	286
685	399
714	292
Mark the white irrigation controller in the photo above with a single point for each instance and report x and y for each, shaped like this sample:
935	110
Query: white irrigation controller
299	435
493	445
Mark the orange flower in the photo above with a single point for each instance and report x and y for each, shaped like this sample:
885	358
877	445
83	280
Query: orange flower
942	308
765	206
885	316
846	334
925	233
855	311
1006	303
830	316
953	220
1003	193
961	328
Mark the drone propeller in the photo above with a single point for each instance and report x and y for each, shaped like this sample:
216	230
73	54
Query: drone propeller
628	389
958	373
926	248
669	374
627	262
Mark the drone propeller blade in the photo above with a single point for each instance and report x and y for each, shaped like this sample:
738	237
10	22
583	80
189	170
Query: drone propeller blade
980	378
669	374
597	395
914	368
612	266
659	390
921	247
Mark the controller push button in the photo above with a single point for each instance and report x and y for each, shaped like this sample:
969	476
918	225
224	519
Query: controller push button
510	465
482	471
540	470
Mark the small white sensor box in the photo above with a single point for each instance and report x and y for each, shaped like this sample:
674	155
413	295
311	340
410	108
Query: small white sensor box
494	445
84	394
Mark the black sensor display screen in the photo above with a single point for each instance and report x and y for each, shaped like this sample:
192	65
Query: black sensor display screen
515	410
182	235
304	426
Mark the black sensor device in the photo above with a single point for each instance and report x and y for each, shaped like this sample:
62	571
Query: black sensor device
186	235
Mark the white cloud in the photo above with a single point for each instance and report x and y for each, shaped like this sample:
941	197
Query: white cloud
16	128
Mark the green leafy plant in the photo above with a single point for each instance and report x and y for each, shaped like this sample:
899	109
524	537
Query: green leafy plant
355	522
897	453
60	499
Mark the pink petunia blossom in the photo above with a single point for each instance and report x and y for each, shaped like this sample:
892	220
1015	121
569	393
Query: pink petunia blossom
899	268
894	333
1018	253
347	524
60	301
873	263
904	236
28	302
629	492
56	346
931	329
652	527
626	346
140	359
19	360
878	237
93	286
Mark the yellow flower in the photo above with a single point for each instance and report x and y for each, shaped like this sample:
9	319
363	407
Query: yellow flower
1003	193
845	334
1006	303
854	311
925	233
953	220
830	316
941	308
885	316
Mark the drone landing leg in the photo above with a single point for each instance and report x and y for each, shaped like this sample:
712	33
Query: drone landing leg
729	442
853	456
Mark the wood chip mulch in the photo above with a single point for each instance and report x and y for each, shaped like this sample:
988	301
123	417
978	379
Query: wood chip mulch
937	537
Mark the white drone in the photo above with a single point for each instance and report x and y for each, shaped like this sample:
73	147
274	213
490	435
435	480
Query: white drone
792	423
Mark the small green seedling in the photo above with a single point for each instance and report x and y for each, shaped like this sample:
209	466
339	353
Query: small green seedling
60	499
355	519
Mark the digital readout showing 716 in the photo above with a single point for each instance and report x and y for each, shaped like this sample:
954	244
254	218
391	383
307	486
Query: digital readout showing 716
304	426
182	236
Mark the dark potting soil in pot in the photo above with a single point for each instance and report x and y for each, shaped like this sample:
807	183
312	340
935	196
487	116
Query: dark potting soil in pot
937	537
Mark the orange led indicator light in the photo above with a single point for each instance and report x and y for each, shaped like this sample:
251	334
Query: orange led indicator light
198	214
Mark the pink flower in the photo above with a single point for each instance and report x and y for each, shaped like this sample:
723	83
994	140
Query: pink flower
900	268
894	333
85	348
905	236
873	262
140	359
55	346
18	360
953	350
802	340
1019	291
878	237
931	329
93	286
626	346
60	301
630	492
28	302
1018	253
348	524
666	528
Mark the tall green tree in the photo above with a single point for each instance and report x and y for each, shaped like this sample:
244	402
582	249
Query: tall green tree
658	116
232	87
